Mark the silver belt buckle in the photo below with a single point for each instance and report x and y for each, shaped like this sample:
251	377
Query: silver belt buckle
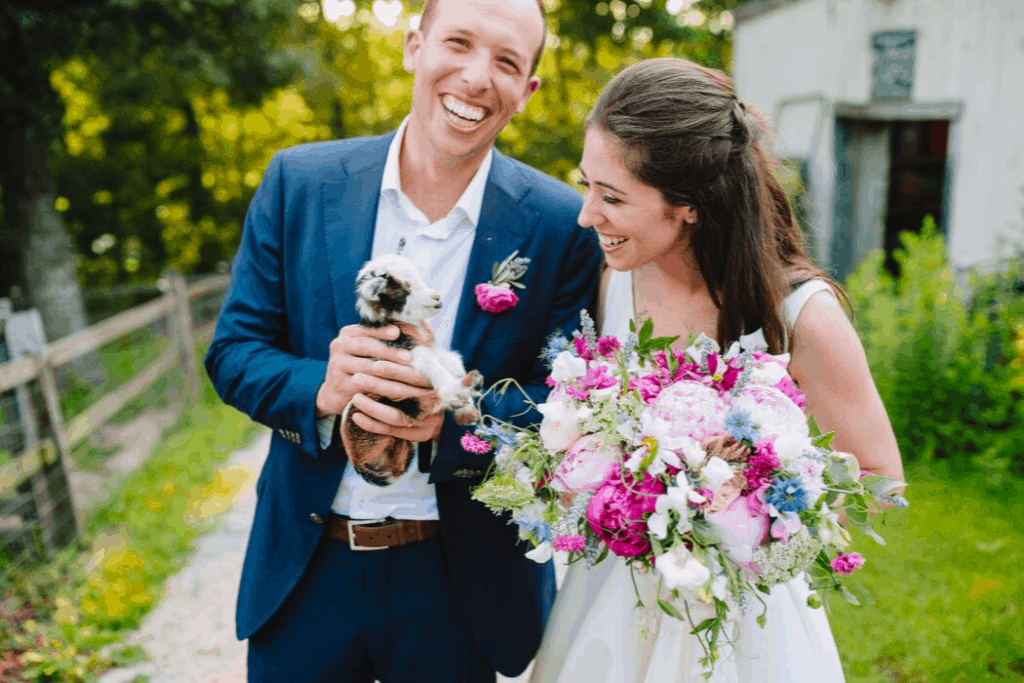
352	524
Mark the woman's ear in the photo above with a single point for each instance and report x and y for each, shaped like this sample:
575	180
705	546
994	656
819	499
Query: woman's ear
689	215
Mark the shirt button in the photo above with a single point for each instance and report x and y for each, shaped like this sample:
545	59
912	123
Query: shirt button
315	518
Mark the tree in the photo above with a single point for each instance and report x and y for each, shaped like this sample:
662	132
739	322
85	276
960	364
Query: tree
149	51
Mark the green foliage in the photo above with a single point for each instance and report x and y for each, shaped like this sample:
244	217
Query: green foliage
63	620
947	363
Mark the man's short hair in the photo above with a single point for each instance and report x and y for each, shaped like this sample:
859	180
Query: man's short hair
430	11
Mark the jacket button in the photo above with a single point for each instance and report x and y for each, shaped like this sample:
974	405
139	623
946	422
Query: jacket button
315	518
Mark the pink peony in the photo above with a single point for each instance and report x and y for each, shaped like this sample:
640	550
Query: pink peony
570	543
586	465
787	387
616	511
607	346
747	529
495	299
474	444
848	563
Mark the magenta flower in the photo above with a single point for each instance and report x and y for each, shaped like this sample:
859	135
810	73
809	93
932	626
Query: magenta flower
572	544
848	563
495	299
583	349
649	387
787	387
616	511
762	464
607	346
474	444
723	374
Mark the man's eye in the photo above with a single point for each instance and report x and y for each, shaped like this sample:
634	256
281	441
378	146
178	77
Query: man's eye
510	63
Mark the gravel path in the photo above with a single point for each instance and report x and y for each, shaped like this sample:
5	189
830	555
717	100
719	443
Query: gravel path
190	634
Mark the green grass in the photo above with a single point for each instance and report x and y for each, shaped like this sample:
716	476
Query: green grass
947	586
91	594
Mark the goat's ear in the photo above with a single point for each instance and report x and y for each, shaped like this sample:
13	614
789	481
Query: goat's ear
370	285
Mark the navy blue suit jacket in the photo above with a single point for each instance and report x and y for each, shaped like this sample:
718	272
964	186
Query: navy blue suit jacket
308	231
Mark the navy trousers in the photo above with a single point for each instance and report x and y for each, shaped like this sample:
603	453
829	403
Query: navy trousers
359	616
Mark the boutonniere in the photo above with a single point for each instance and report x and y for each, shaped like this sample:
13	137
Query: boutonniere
497	295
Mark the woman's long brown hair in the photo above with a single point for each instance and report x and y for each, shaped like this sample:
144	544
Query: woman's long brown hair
684	133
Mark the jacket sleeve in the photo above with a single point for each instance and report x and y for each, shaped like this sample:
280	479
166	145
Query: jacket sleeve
578	279
249	361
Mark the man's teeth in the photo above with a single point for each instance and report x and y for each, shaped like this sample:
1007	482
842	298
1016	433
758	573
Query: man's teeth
612	241
463	111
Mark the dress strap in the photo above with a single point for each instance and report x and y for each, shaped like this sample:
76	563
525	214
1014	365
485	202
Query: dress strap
618	304
799	297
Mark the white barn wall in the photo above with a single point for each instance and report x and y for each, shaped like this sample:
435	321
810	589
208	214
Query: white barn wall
968	51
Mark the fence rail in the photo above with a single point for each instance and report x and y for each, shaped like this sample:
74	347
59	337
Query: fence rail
36	509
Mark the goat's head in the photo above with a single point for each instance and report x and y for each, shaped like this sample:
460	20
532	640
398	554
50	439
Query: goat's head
389	288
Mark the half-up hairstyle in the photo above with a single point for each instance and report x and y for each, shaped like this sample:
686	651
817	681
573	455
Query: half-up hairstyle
683	132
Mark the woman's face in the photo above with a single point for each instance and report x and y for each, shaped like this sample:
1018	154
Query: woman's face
632	219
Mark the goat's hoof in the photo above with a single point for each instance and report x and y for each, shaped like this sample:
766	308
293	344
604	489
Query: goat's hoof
473	379
466	415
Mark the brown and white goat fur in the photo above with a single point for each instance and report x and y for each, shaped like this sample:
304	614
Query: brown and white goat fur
390	291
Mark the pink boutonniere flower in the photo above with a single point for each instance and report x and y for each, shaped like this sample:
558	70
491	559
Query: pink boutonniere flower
497	295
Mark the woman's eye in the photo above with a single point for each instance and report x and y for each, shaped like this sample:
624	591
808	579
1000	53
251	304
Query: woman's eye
608	199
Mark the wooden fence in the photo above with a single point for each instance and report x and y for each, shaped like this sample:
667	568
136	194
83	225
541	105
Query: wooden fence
36	509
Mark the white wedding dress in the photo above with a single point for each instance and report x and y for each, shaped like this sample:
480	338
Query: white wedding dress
597	634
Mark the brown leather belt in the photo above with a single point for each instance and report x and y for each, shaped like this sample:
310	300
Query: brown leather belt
378	534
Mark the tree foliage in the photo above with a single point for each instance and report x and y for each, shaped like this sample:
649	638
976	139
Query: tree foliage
159	116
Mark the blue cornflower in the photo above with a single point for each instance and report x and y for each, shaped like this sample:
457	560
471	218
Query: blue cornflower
556	344
740	426
504	438
788	495
541	530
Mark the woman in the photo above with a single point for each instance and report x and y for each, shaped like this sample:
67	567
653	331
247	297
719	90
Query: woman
699	236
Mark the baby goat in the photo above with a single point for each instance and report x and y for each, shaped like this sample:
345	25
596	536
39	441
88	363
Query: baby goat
389	291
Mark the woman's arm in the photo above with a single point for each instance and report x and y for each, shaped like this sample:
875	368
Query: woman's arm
829	364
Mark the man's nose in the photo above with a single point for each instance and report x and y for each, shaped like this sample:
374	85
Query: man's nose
476	73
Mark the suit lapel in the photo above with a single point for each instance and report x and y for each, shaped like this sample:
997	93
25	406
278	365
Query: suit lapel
350	217
504	227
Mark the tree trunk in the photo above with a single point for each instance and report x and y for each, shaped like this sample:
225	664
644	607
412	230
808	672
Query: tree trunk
48	259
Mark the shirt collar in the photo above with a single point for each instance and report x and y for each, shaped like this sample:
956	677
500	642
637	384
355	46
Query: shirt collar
471	201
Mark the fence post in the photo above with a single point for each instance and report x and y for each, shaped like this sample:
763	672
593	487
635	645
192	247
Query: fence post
186	336
56	490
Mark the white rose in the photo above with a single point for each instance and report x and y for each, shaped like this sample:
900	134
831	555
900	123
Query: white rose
567	367
717	472
681	570
561	425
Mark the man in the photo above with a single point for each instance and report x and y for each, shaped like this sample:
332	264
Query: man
444	592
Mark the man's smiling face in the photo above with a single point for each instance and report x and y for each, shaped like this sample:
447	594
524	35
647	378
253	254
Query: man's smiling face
472	71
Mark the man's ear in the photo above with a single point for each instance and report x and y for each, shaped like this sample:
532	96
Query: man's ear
413	45
531	87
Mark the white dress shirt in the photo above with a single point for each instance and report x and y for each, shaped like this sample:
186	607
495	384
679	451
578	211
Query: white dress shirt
441	252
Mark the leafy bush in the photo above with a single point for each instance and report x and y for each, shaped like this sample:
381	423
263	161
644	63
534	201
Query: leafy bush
948	359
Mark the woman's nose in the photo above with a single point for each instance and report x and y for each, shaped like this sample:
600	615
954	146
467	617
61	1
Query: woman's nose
588	218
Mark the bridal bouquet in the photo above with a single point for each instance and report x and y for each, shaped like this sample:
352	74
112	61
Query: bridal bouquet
699	466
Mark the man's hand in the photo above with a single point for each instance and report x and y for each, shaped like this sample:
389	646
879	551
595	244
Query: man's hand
381	419
360	363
